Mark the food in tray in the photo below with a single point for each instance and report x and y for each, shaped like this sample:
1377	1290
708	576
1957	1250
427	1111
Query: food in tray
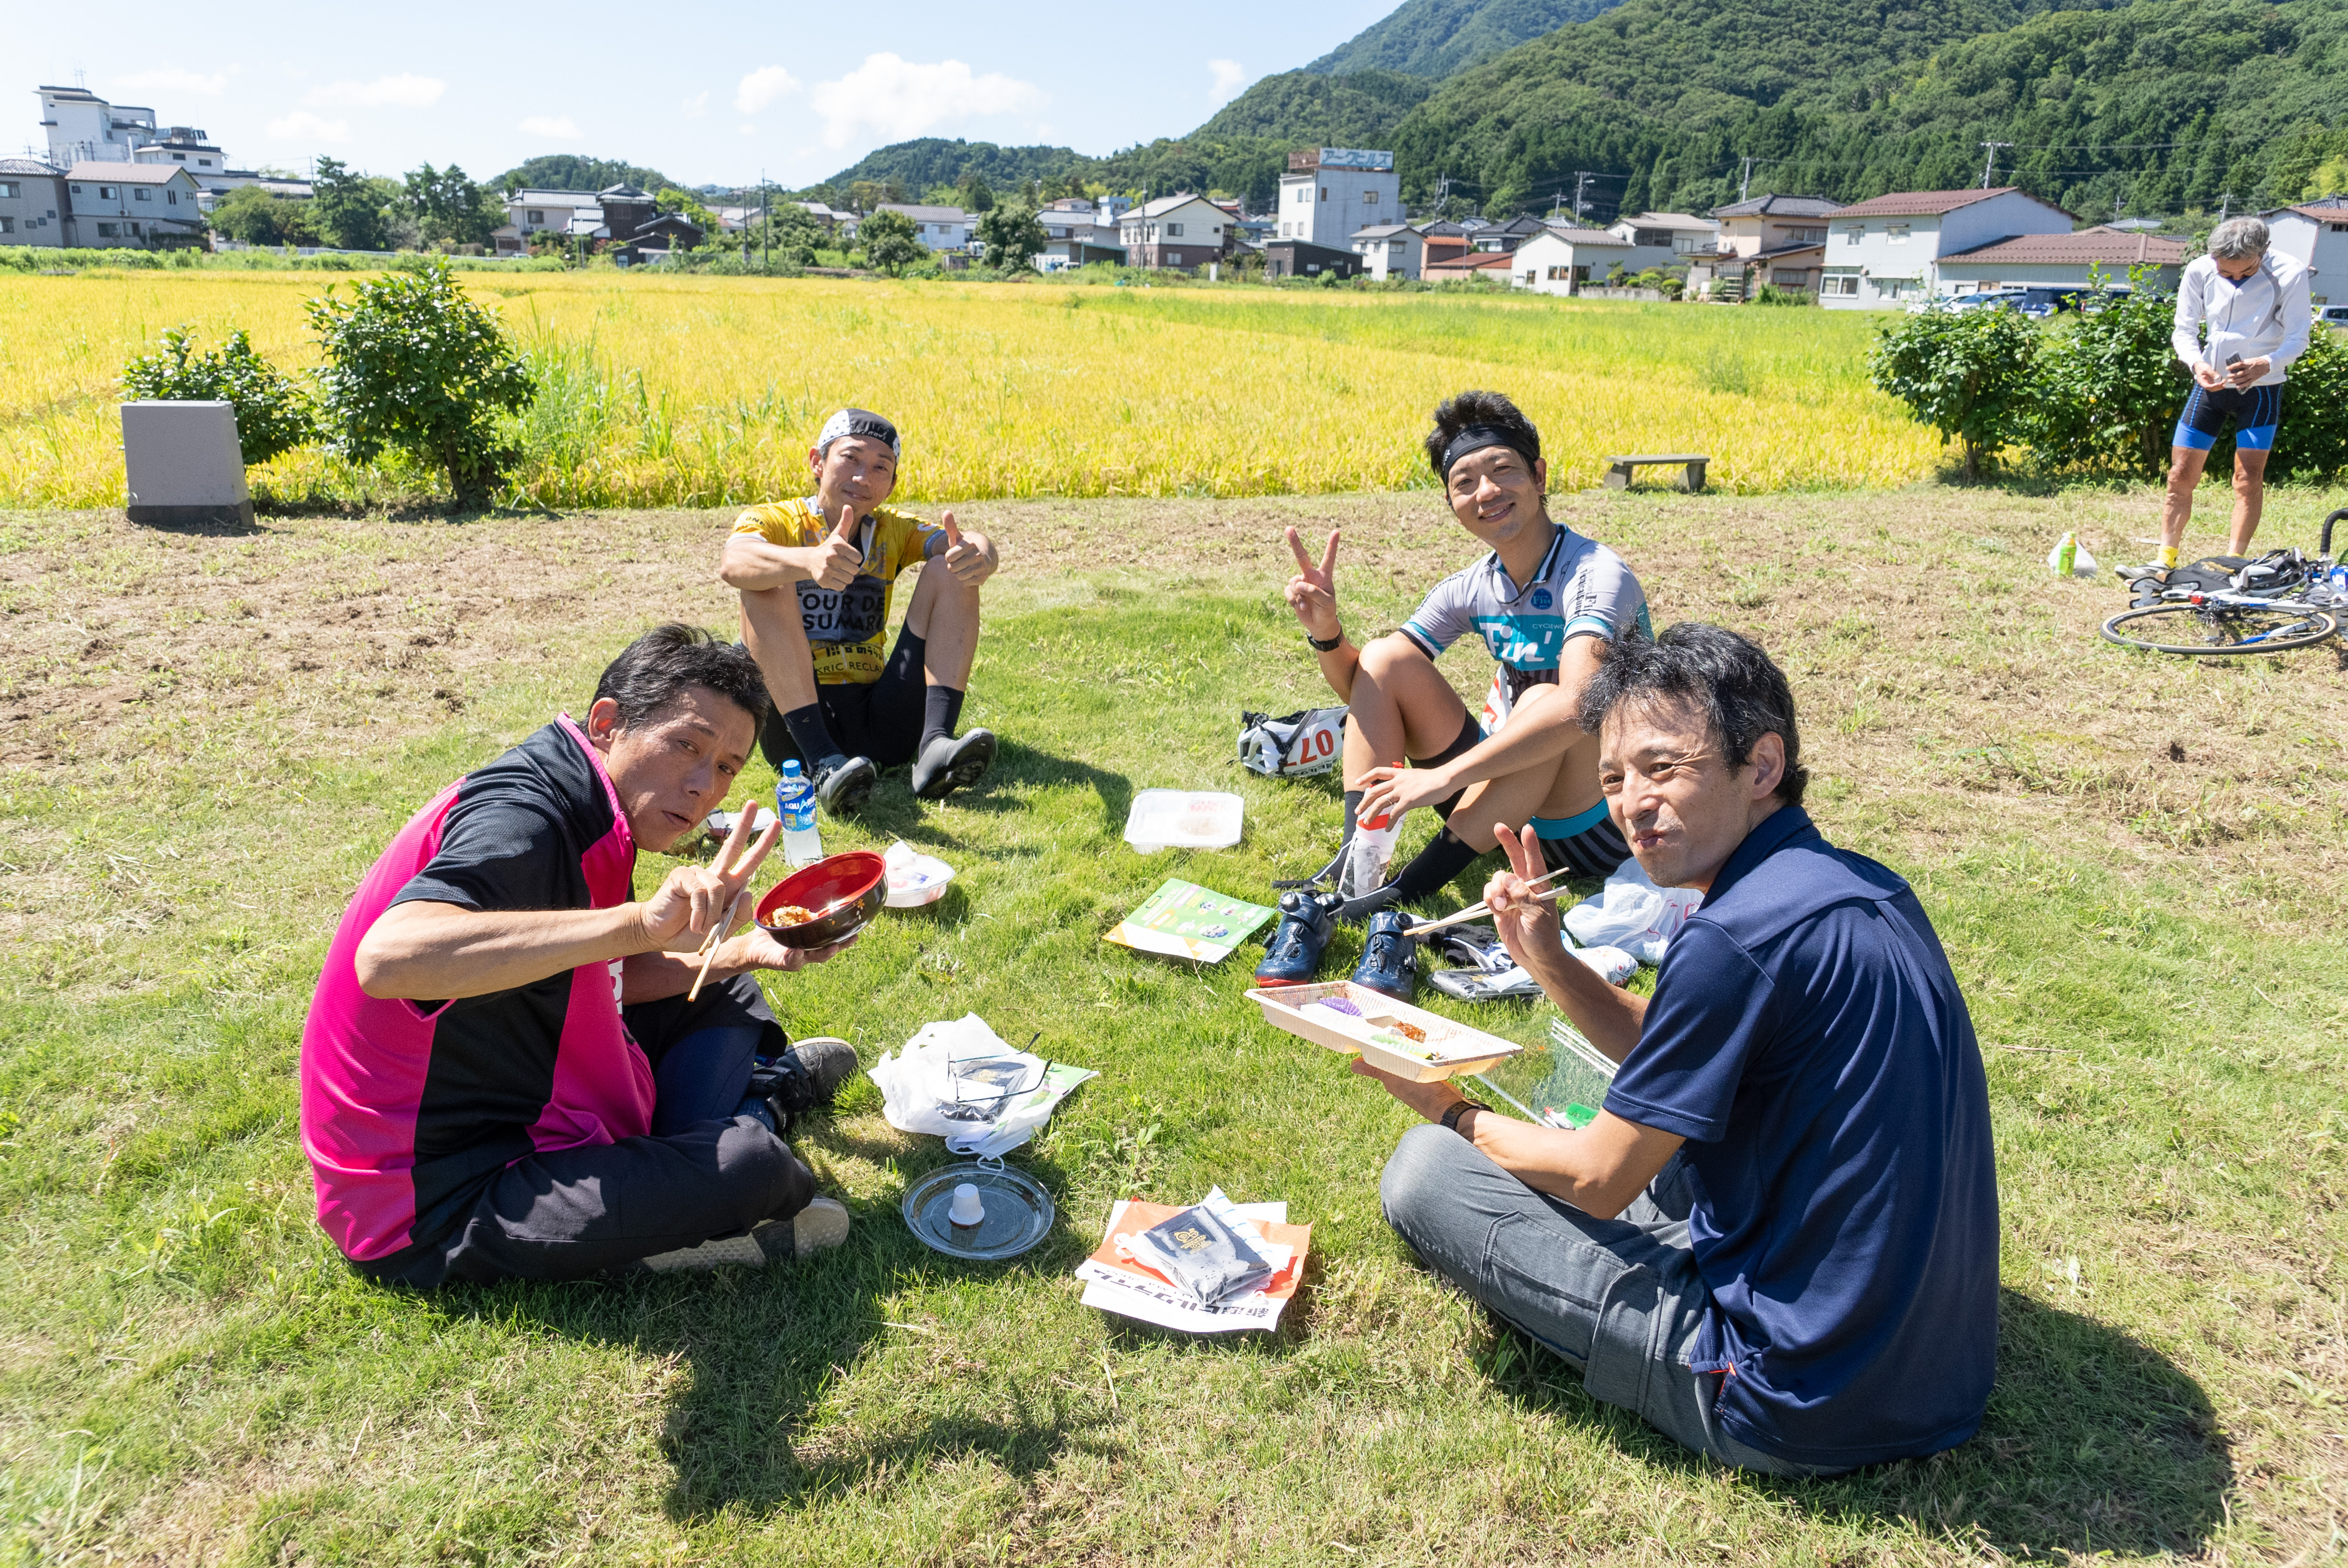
791	915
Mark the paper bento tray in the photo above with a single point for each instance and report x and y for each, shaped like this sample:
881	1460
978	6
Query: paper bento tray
1448	1050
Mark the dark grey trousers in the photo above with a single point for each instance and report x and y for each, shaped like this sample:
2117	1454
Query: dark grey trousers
572	1213
1621	1299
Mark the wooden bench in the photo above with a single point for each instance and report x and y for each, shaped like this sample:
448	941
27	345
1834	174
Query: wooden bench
1620	469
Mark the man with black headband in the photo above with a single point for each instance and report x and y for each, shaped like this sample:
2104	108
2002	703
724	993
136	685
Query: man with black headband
1546	601
816	575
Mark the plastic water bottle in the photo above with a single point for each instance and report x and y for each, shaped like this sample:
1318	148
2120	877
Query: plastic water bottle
1370	853
2066	555
795	803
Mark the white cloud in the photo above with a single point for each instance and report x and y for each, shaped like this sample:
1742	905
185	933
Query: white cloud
762	87
171	79
403	91
554	128
694	106
1230	78
303	125
897	99
748	130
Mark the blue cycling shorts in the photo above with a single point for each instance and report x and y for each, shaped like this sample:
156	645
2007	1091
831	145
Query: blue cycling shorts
2256	411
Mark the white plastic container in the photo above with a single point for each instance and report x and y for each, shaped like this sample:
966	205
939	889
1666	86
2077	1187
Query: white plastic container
914	878
1183	819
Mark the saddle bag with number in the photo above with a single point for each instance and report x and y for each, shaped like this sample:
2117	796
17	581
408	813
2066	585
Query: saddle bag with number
1298	746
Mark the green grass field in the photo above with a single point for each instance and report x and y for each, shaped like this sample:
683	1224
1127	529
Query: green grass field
205	738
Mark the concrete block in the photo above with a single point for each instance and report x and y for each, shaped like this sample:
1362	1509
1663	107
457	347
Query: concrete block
183	464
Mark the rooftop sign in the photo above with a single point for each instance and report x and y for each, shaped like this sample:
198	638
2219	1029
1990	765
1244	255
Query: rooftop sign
1340	158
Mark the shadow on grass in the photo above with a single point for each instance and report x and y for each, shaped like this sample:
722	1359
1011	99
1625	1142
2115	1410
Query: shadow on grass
2093	1442
758	1351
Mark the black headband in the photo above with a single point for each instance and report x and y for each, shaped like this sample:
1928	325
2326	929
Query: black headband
1476	437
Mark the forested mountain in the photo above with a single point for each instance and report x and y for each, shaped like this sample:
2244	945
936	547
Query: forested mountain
569	171
933	160
2154	105
1300	107
1433	38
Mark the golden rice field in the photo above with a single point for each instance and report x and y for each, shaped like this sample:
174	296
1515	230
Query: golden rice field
692	391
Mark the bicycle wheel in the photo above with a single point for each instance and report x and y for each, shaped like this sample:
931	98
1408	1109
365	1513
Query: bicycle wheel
2220	627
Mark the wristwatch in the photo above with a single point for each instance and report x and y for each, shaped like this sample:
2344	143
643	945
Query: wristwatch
1457	1109
1331	645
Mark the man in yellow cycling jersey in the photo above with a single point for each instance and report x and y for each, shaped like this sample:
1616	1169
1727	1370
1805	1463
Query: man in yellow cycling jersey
816	575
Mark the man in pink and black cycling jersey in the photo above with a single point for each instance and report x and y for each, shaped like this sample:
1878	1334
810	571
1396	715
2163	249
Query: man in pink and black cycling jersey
501	1074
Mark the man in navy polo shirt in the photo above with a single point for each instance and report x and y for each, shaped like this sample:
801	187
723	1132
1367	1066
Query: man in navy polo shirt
1779	1240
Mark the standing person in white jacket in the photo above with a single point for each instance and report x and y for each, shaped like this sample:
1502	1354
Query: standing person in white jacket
2255	306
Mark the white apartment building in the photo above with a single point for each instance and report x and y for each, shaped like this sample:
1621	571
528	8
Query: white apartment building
1391	250
135	206
1077	231
1887	251
937	227
2315	232
31	200
1332	193
1182	230
85	129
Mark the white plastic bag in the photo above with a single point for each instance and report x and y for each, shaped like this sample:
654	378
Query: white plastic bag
1632	914
2082	563
963	1067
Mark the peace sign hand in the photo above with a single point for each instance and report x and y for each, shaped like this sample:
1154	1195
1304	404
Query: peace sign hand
679	914
1311	593
1527	923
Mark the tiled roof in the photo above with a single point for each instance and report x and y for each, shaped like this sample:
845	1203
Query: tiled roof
1922	203
127	173
1474	259
2096	245
26	166
1776	206
1668	221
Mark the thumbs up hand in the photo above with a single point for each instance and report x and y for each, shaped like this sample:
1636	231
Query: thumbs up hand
970	557
834	562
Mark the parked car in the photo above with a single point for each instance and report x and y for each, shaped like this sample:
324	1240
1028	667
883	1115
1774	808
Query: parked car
2332	315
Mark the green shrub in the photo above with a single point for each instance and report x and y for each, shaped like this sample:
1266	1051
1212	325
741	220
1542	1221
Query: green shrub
1967	374
412	365
1013	237
2109	388
2313	440
274	415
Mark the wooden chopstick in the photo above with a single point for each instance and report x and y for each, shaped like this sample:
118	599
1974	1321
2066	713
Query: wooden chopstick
717	932
1477	911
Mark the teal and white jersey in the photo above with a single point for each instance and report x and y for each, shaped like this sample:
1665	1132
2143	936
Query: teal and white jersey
1582	589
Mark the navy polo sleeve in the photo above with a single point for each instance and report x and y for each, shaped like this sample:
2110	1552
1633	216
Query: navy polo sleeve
1711	1014
500	849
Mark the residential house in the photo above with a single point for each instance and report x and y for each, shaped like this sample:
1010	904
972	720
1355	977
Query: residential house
1179	231
1670	238
1243	230
1391	250
1330	193
532	214
135	206
1076	233
2315	232
85	129
1564	259
1471	264
937	227
2067	261
1887	251
1747	230
834	221
185	144
1303	259
1489	236
32	196
1444	240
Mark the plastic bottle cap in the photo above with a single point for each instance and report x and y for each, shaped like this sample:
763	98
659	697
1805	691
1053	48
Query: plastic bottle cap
966	1210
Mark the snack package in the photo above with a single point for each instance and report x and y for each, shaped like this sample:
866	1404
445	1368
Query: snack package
1201	1253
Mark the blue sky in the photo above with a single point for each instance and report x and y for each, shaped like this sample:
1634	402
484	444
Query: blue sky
700	91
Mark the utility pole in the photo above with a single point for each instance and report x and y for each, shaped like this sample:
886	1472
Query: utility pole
1581	177
1442	196
766	230
2223	200
1989	165
1745	180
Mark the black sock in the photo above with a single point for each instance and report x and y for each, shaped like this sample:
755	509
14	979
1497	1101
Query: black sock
1352	811
941	712
812	736
1444	858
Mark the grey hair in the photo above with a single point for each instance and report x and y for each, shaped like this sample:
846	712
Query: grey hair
2236	238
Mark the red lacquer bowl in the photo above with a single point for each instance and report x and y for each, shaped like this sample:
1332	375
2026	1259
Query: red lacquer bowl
859	877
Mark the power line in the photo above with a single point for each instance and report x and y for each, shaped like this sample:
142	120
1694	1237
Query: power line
1990	163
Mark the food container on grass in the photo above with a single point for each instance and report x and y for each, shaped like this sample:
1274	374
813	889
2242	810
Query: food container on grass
1393	1037
914	878
856	881
1183	819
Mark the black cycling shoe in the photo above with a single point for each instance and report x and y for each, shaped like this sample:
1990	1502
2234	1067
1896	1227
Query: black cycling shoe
802	1078
1291	957
947	764
1389	963
844	787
